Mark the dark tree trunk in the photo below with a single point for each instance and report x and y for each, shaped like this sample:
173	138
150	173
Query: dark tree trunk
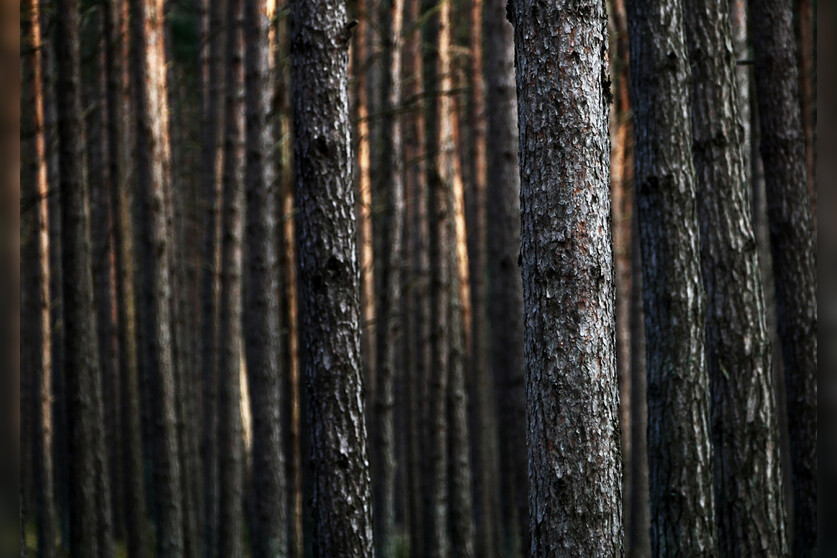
749	506
505	294
39	262
153	175
568	291
329	280
230	427
262	296
679	445
388	322
81	366
782	146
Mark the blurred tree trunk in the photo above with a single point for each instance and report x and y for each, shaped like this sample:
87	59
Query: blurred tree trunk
330	291
678	404
388	325
505	296
230	441
748	481
262	295
807	49
568	289
792	239
153	173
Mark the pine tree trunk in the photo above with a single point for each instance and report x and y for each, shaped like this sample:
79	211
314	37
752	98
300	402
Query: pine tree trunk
782	146
262	296
388	322
329	280
748	483
505	297
47	528
679	444
230	427
568	291
153	174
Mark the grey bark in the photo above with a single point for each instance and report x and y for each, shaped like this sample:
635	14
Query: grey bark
153	176
329	280
750	510
792	240
230	427
505	290
568	293
388	323
679	444
262	296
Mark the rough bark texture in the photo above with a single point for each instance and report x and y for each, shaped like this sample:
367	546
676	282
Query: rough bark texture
262	296
750	511
782	146
806	39
679	445
153	161
41	343
571	388
230	427
83	386
505	290
329	280
388	322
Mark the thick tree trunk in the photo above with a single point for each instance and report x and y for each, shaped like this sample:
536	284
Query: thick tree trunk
679	445
568	291
748	482
41	343
782	146
388	322
230	426
505	295
262	296
81	366
153	174
329	279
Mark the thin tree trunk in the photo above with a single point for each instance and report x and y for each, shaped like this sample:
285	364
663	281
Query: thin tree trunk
748	482
230	427
329	279
262	296
806	23
505	295
782	147
47	529
568	290
153	173
388	324
679	444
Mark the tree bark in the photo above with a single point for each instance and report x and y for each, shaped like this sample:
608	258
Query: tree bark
782	146
230	426
329	279
388	322
47	528
750	511
568	291
679	444
505	294
153	174
262	296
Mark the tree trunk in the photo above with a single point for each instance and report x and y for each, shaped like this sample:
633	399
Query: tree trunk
782	146
329	280
153	162
505	295
568	291
47	528
679	445
230	427
262	296
807	32
748	483
388	322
